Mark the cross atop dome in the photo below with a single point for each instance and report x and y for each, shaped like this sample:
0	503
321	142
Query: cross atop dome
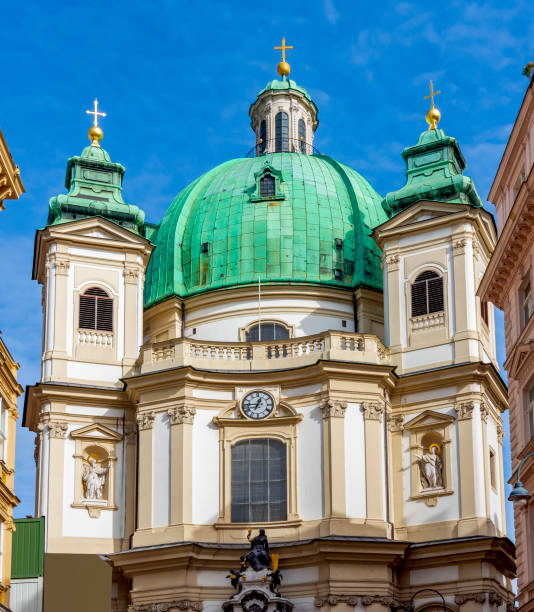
283	68
95	131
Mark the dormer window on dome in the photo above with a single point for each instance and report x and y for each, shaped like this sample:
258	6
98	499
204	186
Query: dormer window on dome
267	186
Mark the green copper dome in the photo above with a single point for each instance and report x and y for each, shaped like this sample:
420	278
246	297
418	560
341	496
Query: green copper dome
313	226
285	85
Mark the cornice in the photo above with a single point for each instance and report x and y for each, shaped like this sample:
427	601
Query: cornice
514	242
11	186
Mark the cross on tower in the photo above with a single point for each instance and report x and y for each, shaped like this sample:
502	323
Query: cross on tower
95	113
432	94
283	48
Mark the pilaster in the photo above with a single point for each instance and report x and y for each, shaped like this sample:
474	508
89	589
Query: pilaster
373	412
181	420
468	524
334	457
396	428
145	423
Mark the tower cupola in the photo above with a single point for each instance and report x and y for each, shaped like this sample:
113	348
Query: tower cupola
283	117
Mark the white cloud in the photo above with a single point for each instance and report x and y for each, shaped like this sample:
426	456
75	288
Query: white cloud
330	12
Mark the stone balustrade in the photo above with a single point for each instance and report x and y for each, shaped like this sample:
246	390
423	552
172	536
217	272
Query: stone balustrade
266	355
97	338
427	321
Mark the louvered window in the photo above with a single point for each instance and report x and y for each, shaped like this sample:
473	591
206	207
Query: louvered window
259	481
427	294
267	187
96	310
484	313
282	132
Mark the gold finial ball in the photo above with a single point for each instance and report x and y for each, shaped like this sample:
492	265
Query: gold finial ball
432	117
283	69
95	135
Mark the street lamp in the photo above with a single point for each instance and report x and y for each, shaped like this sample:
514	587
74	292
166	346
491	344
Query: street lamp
519	495
412	609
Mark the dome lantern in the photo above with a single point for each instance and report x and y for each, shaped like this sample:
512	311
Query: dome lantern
284	117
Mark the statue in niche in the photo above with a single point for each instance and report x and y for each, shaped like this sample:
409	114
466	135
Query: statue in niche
431	466
94	478
259	556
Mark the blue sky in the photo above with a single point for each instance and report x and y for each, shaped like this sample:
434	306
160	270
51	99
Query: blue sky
177	78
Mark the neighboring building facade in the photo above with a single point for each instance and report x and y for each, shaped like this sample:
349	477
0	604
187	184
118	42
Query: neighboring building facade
353	410
508	283
10	188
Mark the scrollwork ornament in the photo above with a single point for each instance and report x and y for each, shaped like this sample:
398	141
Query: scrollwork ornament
333	408
462	598
168	606
372	411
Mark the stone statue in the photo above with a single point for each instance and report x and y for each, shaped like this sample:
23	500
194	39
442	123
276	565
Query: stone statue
235	581
259	556
94	478
431	468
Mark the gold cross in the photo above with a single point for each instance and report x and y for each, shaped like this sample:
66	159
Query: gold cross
95	113
283	48
432	94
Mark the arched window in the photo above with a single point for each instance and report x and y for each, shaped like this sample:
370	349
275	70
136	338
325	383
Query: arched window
96	310
263	137
282	132
302	136
427	293
269	331
259	481
267	186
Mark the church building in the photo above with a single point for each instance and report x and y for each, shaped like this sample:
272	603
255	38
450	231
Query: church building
285	350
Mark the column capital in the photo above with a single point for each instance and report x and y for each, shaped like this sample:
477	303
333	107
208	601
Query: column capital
130	435
500	433
372	411
458	246
131	275
395	422
392	262
57	429
178	415
145	420
484	412
333	408
464	410
62	265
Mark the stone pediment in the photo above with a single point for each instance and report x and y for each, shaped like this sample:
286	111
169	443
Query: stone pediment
96	432
429	419
522	354
98	229
284	413
421	212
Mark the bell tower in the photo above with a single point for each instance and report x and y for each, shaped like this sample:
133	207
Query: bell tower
284	117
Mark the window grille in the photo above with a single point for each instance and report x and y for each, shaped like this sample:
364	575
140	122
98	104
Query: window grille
263	137
267	187
427	294
282	132
96	310
259	481
302	136
269	331
527	303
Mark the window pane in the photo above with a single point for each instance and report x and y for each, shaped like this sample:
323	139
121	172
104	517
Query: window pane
302	136
259	484
269	331
267	187
282	132
263	136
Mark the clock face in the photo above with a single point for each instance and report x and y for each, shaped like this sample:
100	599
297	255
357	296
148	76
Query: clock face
257	405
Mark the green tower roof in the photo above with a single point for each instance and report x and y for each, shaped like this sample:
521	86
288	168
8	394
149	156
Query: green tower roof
95	188
220	232
434	168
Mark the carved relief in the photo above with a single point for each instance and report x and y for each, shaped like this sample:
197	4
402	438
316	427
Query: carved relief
459	246
333	600
372	411
395	422
465	597
500	433
57	430
464	410
333	408
181	414
145	420
484	412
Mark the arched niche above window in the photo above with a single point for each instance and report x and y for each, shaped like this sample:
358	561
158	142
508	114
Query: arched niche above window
267	185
